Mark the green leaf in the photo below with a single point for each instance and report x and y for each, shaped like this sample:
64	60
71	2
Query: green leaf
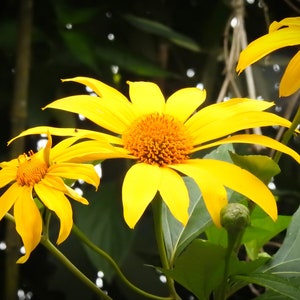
133	62
163	31
273	282
176	236
261	166
286	261
199	268
80	47
262	230
103	224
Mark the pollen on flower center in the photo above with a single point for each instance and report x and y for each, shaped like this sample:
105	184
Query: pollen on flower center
158	139
31	169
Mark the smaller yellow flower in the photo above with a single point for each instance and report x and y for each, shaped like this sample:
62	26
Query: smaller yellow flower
281	34
41	174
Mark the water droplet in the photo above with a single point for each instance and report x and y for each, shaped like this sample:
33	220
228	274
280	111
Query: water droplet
276	68
200	86
278	108
81	117
111	37
108	14
69	26
114	69
190	73
162	278
276	86
2	245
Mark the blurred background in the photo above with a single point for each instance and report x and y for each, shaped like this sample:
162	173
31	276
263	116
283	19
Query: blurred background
175	43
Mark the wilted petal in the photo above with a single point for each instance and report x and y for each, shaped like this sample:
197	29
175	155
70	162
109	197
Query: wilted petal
140	185
175	194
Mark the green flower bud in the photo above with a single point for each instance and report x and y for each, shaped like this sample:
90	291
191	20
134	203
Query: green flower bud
235	217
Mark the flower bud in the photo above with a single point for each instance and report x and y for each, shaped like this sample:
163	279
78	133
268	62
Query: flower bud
235	217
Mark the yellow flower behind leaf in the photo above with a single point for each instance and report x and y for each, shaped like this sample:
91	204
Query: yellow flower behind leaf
281	34
40	174
161	136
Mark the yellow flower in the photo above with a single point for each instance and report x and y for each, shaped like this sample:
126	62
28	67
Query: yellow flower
41	174
162	135
281	34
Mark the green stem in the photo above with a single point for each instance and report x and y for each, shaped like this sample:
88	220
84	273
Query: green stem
157	209
108	258
288	134
61	257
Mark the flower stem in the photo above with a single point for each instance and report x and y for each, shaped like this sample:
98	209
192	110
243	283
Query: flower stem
108	258
288	134
61	257
157	208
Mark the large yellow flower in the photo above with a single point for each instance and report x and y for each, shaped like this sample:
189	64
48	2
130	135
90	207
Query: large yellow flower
281	34
41	174
162	135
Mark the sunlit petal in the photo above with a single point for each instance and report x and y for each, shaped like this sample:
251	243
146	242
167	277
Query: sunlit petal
267	44
79	133
58	184
146	97
221	127
75	171
58	203
28	222
95	109
140	185
243	182
177	199
293	21
225	110
7	175
184	102
290	81
8	198
254	139
212	189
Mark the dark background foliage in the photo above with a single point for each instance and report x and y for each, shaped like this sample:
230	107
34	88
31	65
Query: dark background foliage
110	40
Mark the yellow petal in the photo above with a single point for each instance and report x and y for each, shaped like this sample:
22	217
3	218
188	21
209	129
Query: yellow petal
75	171
290	81
139	188
183	103
254	139
79	133
267	44
218	128
293	21
225	110
8	198
58	184
97	110
146	97
28	222
7	175
174	193
88	151
242	182
212	189
60	205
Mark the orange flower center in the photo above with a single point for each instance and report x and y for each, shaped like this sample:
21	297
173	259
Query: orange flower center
158	140
31	169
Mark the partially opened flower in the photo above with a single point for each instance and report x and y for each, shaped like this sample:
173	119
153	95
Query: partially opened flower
281	34
162	135
40	174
